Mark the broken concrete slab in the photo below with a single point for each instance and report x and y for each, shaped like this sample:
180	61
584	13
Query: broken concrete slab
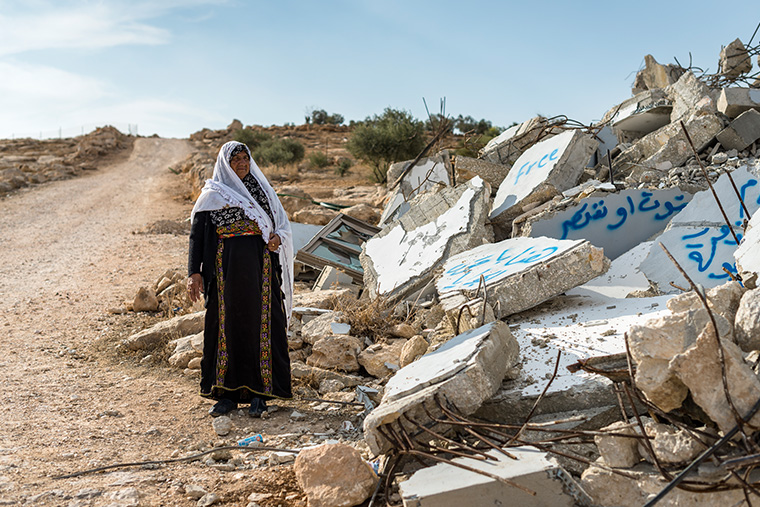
735	60
424	175
402	257
747	321
622	279
698	237
747	260
644	113
734	101
542	171
668	144
466	371
466	168
616	222
338	352
741	132
580	327
446	485
655	75
520	273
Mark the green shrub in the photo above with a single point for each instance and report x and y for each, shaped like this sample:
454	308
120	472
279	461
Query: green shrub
344	164
251	138
279	152
321	117
393	136
318	160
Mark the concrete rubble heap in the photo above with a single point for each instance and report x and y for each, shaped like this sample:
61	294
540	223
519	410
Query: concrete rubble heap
557	229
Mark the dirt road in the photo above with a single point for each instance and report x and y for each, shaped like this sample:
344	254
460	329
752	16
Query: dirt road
68	252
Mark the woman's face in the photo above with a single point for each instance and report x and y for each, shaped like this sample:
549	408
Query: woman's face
240	164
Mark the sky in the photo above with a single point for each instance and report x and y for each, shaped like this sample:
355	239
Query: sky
174	67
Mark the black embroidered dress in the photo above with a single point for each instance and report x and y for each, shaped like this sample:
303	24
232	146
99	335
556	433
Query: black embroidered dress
245	347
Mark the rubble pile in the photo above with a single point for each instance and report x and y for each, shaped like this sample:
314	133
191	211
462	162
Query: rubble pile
25	162
574	283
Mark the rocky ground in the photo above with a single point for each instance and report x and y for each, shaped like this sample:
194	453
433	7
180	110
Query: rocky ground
71	251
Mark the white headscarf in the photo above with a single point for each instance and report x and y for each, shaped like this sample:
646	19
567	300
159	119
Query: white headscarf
225	188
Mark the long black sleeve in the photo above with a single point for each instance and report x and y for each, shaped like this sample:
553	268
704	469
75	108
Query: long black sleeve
197	242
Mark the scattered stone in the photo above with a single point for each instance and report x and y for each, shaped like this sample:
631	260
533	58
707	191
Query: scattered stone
183	325
331	386
363	212
320	327
414	348
145	300
375	358
300	370
618	451
222	425
334	475
314	215
280	458
338	352
186	349
671	446
402	330
208	499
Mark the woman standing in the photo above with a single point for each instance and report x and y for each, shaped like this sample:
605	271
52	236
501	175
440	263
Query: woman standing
241	258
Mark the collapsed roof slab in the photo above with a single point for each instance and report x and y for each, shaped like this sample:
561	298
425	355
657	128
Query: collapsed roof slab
446	485
509	145
521	273
424	175
465	371
616	222
542	171
580	327
402	257
734	101
698	237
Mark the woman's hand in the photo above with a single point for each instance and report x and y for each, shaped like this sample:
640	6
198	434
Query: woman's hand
274	243
194	286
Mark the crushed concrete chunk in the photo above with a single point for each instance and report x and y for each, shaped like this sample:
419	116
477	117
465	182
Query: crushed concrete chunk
735	60
734	101
466	371
521	273
402	257
689	94
655	75
445	485
467	168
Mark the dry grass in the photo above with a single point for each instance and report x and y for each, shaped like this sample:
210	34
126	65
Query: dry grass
372	319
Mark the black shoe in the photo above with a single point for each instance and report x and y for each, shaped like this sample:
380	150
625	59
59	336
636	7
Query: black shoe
258	407
222	407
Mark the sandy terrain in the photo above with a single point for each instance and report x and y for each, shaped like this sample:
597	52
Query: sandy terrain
68	253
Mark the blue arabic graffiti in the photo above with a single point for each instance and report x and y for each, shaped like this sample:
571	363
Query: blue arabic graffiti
703	264
584	216
492	266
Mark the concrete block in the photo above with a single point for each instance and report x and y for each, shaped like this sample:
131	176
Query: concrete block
698	237
402	257
616	222
466	370
521	273
741	132
668	144
734	101
426	174
644	113
556	163
466	168
623	278
445	485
